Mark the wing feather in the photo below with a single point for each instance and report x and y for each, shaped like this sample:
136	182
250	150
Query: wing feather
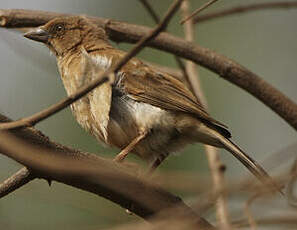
162	90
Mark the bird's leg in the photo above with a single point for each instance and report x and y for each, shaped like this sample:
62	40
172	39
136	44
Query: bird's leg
124	153
156	163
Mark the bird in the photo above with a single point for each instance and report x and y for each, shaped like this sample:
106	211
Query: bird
143	110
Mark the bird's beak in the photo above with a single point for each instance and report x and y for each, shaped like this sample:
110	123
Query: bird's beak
38	34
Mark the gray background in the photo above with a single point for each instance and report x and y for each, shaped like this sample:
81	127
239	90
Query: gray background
262	41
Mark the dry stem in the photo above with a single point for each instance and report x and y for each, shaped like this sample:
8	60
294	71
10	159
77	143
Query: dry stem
211	152
203	7
244	9
178	61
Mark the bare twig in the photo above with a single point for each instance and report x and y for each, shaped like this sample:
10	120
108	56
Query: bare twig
151	11
161	223
179	62
17	180
51	110
204	6
225	67
213	157
191	68
245	9
259	193
271	220
279	158
102	78
292	198
217	169
251	219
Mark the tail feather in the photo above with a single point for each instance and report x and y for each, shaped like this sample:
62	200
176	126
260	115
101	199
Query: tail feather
253	166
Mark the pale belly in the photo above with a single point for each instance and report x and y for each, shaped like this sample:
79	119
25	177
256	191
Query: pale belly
128	118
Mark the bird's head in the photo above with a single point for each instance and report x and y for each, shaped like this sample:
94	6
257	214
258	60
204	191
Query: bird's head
64	34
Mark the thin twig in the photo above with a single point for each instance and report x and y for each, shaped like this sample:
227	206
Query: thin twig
151	11
191	68
217	169
292	198
17	180
179	62
244	9
259	193
213	157
251	219
223	66
102	78
271	220
209	3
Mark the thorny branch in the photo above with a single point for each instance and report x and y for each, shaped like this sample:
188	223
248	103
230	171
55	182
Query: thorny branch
223	66
102	78
245	9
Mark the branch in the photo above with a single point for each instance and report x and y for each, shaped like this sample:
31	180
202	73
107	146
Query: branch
25	175
150	10
191	69
90	173
292	198
245	9
178	61
215	164
17	180
203	7
284	220
102	78
223	66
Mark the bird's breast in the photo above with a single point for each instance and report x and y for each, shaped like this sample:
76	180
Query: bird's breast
91	111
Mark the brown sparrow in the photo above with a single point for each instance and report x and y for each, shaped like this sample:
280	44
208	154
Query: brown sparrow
145	111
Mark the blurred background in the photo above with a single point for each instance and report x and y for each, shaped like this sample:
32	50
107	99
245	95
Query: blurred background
262	41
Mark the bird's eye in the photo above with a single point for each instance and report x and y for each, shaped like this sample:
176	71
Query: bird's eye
59	28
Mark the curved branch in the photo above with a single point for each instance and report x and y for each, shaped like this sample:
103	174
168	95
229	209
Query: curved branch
223	66
244	9
91	173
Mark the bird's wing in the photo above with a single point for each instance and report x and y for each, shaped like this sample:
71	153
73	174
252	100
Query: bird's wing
148	85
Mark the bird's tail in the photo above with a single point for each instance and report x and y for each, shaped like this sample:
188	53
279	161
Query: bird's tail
253	166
